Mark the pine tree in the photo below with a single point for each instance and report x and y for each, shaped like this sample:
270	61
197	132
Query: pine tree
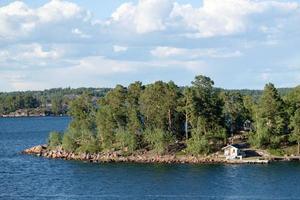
271	122
295	125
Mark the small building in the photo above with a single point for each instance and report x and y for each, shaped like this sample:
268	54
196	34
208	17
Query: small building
247	126
233	151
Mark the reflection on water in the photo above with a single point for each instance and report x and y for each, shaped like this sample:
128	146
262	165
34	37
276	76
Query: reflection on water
27	177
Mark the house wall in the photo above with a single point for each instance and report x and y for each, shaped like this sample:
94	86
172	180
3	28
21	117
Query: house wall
231	152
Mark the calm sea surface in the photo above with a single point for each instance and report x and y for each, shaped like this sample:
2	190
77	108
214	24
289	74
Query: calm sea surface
28	177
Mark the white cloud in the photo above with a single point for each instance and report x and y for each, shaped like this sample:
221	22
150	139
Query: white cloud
99	65
118	48
35	50
57	10
213	18
146	16
168	52
224	17
102	66
18	20
60	42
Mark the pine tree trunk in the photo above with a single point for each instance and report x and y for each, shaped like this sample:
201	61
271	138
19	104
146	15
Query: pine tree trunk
186	127
170	120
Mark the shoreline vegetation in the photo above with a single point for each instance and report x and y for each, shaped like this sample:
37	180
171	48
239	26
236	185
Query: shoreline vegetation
164	123
52	102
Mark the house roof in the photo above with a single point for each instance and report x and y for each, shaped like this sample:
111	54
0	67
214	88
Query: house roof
236	146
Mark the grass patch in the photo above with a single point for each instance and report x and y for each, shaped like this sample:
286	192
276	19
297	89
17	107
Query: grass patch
276	152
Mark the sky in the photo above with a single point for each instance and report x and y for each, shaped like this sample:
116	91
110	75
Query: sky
88	43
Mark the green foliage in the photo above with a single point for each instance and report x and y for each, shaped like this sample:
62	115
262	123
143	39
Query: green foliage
207	102
153	116
54	140
158	104
276	152
295	126
205	138
106	126
158	139
88	143
271	119
12	101
57	105
292	100
82	112
71	140
198	145
235	113
80	140
126	141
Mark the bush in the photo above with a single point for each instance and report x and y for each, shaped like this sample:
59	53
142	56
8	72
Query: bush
276	152
54	140
88	144
158	139
259	138
69	142
126	140
80	141
198	145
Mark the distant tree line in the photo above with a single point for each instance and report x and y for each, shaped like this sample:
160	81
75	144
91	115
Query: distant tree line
156	116
53	101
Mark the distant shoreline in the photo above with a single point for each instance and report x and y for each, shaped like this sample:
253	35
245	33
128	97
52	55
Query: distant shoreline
33	116
114	157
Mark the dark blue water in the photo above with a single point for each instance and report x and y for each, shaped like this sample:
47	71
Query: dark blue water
29	177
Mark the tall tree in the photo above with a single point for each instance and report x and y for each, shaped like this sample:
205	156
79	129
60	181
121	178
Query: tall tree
234	111
111	115
82	111
159	105
135	123
208	103
271	122
295	125
188	108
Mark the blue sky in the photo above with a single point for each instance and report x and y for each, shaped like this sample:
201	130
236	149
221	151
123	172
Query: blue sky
85	43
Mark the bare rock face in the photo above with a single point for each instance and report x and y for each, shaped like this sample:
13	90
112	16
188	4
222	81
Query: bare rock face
36	149
116	156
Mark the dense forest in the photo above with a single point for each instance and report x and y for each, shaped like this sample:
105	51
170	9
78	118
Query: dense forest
56	101
53	101
157	116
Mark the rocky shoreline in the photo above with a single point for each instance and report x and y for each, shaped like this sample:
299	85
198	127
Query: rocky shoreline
41	150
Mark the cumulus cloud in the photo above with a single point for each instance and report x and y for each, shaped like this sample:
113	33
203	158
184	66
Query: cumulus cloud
225	17
213	18
32	51
18	20
146	16
62	43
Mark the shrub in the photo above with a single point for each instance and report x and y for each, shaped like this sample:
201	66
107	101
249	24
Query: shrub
126	140
198	145
88	145
70	141
158	139
54	140
276	152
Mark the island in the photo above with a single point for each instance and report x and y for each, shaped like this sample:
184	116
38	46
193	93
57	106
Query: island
165	123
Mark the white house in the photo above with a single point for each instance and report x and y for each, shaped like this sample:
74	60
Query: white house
233	151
